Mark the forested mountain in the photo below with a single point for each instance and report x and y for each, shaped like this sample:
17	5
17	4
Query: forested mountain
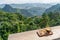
37	11
29	9
8	8
54	8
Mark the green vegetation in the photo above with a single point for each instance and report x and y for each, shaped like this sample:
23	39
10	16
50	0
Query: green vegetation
15	23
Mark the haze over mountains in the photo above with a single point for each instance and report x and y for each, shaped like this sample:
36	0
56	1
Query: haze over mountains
32	9
27	5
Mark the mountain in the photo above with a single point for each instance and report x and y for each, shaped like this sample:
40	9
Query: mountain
29	9
8	8
37	11
54	8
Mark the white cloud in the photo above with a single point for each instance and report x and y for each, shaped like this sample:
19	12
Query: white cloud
29	1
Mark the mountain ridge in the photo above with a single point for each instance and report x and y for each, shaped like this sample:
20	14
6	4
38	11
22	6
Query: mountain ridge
54	8
8	8
35	9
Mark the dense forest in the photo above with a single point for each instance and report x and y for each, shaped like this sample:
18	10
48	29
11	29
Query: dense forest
15	22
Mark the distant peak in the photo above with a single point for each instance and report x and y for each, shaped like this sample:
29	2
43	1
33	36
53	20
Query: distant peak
7	6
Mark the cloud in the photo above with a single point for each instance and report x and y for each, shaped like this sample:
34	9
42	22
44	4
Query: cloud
29	1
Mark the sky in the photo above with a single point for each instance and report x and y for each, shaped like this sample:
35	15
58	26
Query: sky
27	1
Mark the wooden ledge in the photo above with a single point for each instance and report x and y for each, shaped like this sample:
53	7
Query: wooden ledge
31	35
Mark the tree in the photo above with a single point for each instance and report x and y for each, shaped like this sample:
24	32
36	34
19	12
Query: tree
45	20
